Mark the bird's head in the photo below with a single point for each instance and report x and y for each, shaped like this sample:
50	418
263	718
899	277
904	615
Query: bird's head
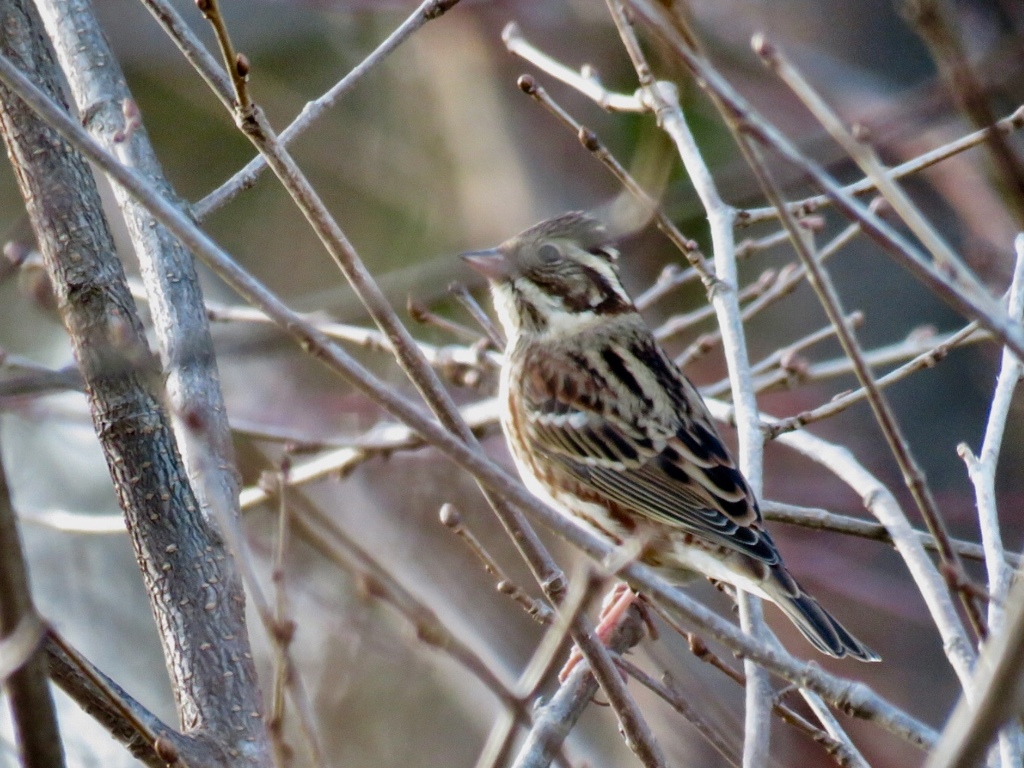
557	275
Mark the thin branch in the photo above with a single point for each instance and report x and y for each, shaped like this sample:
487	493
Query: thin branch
789	277
766	283
663	100
247	177
236	66
681	704
173	292
25	679
367	338
788	359
823	520
982	471
284	625
144	735
334	544
585	81
820	280
993	697
179	551
945	283
855	698
466	299
596	147
872	167
932	19
672	276
1009	124
928	359
555	720
537	610
837	747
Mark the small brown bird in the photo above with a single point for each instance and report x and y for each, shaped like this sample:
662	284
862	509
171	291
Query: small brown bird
607	430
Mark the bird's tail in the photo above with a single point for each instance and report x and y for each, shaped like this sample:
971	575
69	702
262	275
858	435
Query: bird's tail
817	625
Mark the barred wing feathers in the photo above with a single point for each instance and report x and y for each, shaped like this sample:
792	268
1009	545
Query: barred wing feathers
628	426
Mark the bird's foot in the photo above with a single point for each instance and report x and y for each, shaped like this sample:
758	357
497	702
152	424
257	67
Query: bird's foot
613	608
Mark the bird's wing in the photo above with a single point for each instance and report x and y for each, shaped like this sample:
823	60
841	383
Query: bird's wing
645	442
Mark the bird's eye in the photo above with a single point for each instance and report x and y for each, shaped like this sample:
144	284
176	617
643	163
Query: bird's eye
548	253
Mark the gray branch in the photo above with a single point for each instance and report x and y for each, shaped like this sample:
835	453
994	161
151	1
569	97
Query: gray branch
35	721
168	270
195	593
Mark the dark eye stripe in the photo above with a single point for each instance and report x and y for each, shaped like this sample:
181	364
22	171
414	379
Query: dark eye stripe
527	311
612	303
605	252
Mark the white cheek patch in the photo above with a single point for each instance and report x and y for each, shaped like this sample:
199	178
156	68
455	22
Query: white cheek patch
505	307
570	322
535	297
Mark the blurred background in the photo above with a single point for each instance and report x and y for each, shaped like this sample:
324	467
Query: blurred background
437	151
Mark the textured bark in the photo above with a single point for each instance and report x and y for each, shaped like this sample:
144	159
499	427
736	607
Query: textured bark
194	589
179	319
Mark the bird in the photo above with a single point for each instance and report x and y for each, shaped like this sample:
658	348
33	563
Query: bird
606	429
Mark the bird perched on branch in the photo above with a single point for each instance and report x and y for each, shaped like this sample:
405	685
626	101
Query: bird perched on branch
605	428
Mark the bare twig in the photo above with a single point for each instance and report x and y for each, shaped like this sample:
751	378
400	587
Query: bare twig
982	471
854	698
931	357
789	277
169	531
820	519
788	359
559	715
993	698
837	747
25	678
945	282
820	280
538	611
662	99
466	299
284	626
596	147
671	277
680	703
933	21
1010	124
421	314
869	163
246	178
235	63
585	81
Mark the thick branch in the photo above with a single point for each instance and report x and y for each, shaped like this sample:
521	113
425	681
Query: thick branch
168	270
195	594
851	697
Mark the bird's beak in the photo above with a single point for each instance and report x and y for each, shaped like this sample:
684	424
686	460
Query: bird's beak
491	263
